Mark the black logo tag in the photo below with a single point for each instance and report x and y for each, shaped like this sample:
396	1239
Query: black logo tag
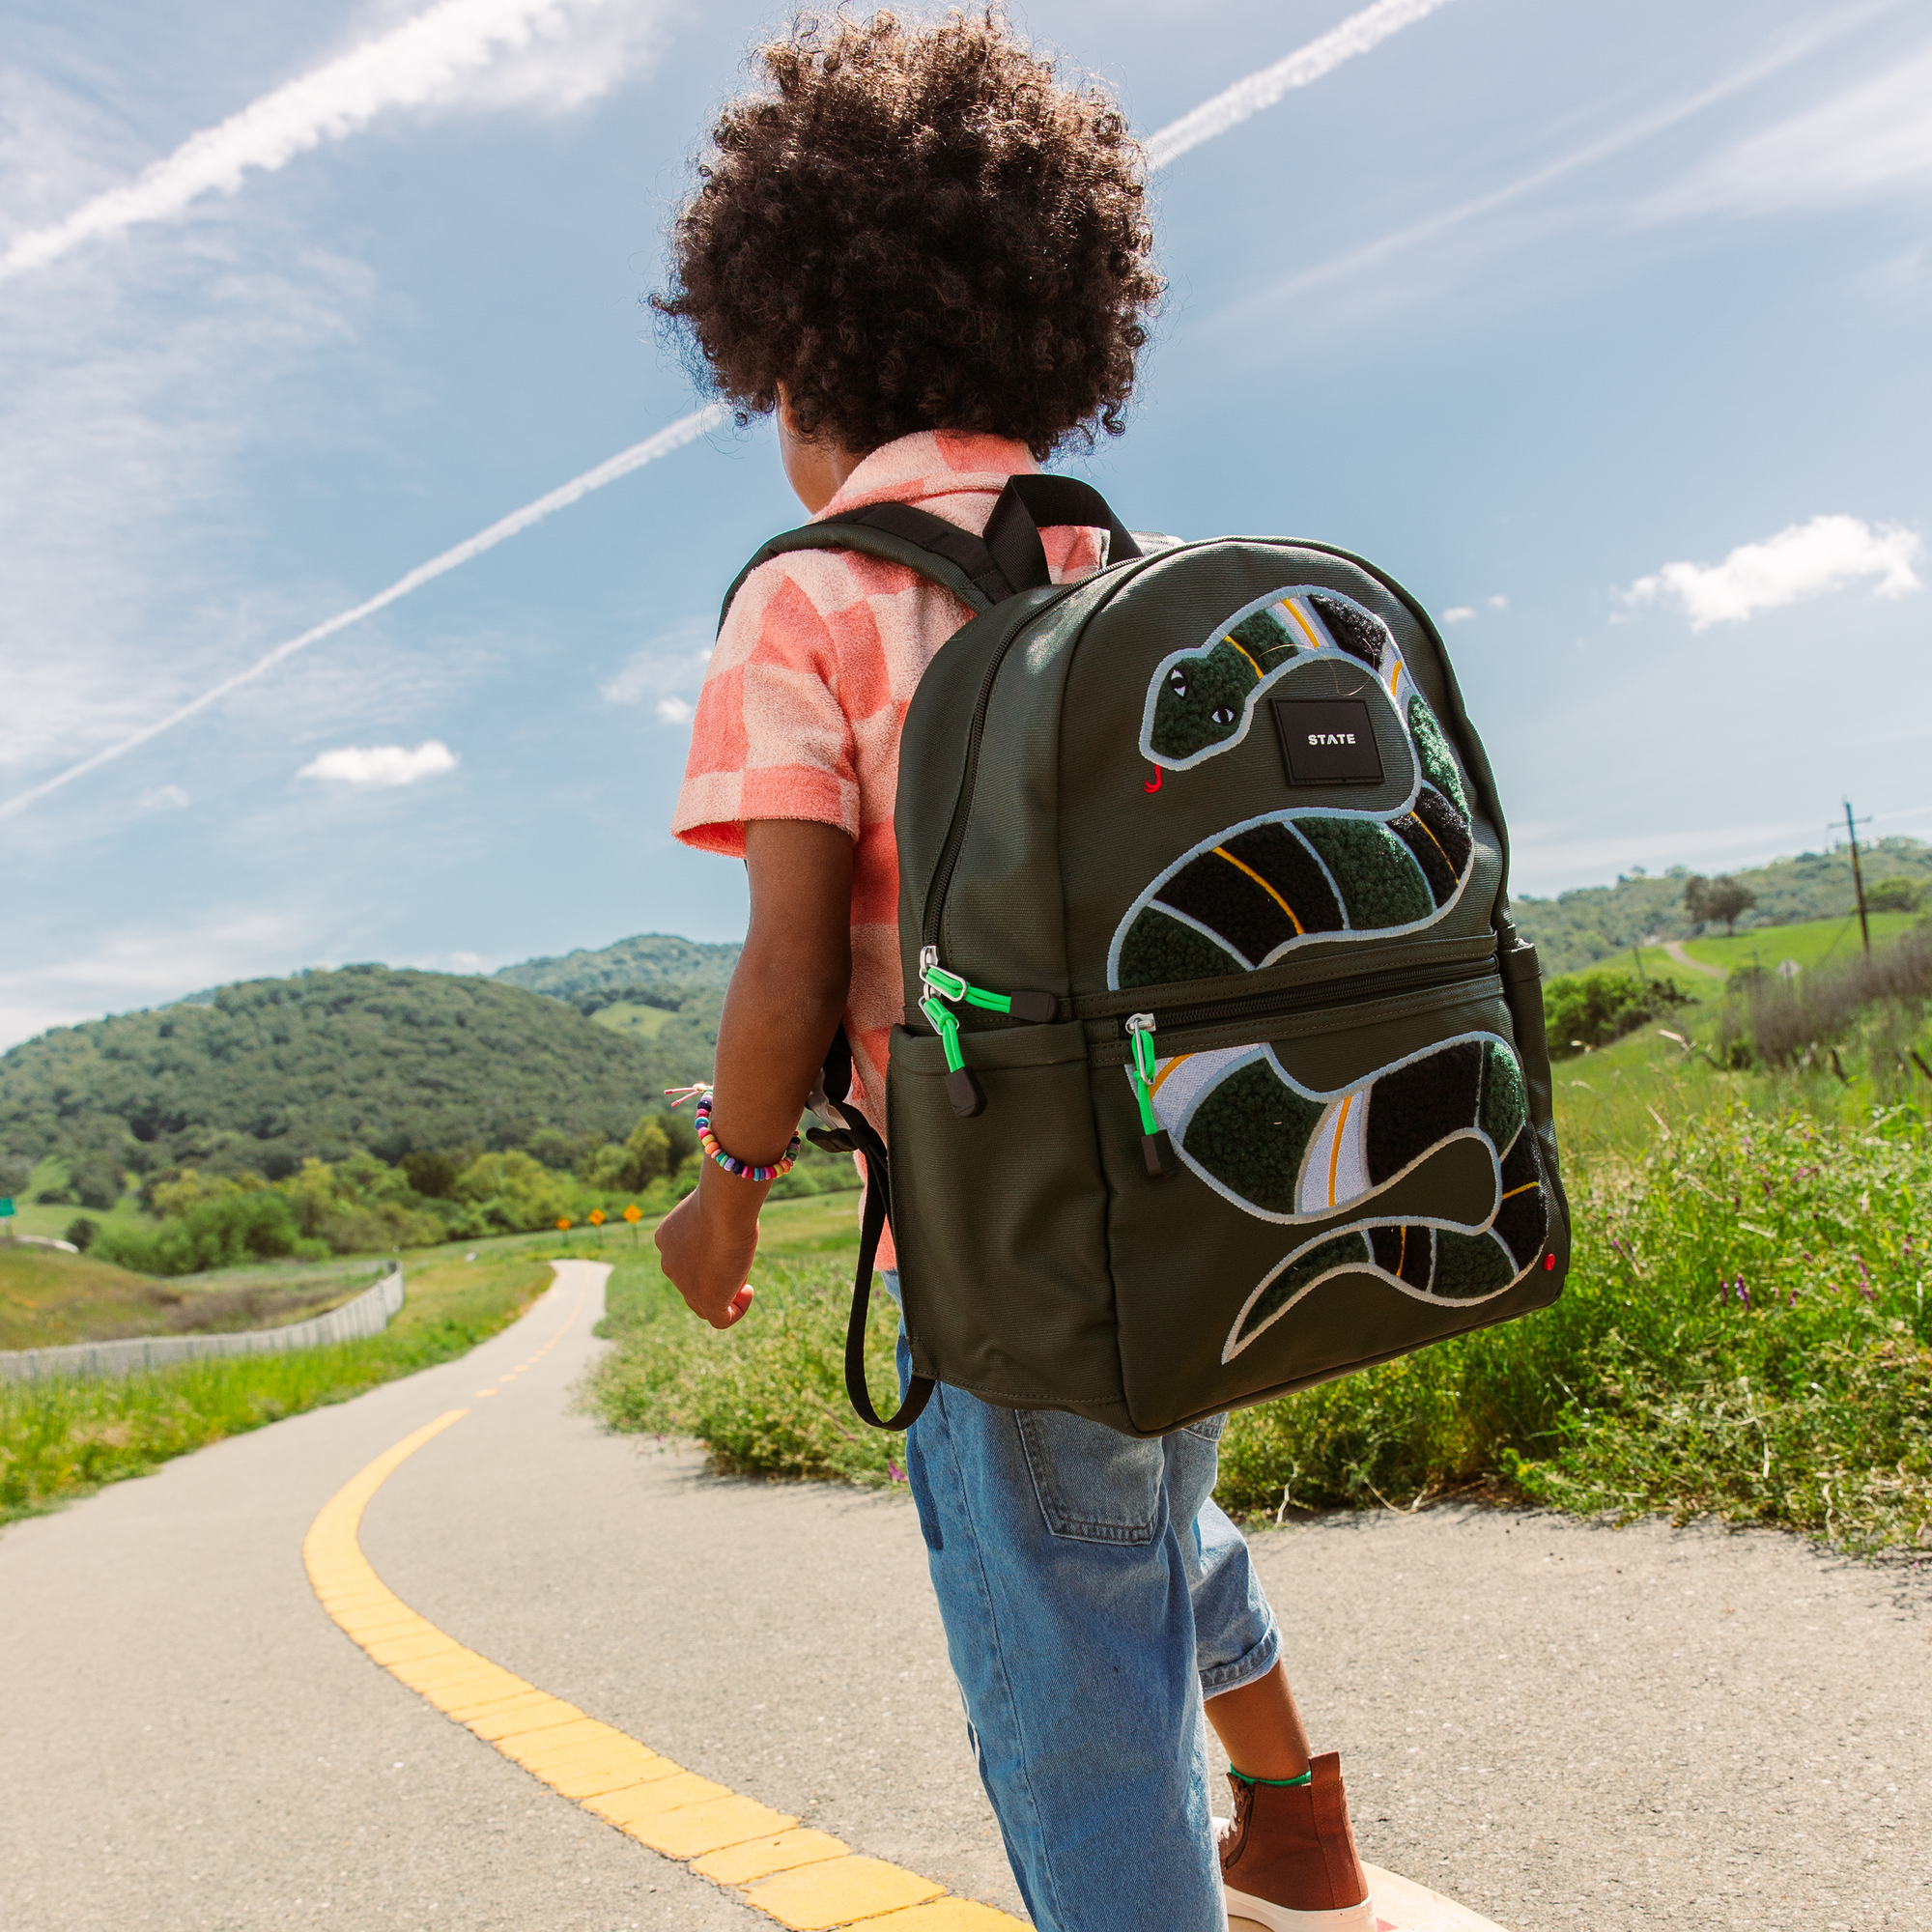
1327	741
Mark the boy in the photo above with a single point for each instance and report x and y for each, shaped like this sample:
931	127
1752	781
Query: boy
932	260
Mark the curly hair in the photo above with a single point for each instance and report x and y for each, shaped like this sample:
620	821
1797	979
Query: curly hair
913	227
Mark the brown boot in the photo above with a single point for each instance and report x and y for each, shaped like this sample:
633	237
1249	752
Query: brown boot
1288	1861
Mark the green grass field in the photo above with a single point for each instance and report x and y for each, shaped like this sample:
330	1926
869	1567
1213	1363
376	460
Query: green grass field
633	1017
61	1438
48	1298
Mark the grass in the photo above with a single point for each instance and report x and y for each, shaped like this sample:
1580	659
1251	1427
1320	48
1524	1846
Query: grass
633	1016
767	1397
1744	1336
63	1438
48	1298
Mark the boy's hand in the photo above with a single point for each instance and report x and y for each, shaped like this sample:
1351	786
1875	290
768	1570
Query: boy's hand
707	1255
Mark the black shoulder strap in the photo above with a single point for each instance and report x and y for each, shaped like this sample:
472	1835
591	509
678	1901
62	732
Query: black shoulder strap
859	1135
980	572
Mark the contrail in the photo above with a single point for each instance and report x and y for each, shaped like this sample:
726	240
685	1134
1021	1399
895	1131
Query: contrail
686	429
1228	109
420	61
310	110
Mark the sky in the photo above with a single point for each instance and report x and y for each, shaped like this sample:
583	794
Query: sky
1600	326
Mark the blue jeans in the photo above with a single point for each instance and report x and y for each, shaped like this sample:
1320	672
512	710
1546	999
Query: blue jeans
1092	1594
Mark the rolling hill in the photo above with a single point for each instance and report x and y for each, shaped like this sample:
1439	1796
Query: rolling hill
270	1071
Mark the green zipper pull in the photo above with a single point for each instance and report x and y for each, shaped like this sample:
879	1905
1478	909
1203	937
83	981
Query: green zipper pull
1039	1007
1157	1149
961	1089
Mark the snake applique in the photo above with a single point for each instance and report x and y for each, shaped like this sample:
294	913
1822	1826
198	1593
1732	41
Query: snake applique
1282	1151
1246	896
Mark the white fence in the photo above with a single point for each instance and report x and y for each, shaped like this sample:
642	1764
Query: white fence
369	1314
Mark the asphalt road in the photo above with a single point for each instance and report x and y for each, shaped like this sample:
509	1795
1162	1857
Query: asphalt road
1559	1724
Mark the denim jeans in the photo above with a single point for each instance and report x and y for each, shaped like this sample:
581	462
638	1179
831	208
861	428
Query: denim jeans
1092	1594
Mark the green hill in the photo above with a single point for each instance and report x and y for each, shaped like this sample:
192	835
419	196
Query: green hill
1576	928
650	961
270	1071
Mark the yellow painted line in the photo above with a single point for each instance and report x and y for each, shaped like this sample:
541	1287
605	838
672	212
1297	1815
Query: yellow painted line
807	1880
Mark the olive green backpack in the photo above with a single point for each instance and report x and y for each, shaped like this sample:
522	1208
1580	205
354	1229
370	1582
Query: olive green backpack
1223	1070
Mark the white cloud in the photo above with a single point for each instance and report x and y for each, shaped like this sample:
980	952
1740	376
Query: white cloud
668	673
144	967
1458	614
163	798
1499	602
1871	139
448	53
1801	561
382	765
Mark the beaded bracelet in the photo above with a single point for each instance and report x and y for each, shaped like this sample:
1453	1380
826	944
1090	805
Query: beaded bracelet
743	1170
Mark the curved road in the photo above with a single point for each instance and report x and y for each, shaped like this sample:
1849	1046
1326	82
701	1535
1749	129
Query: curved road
1563	1726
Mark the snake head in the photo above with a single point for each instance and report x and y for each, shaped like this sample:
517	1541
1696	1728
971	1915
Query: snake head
1200	701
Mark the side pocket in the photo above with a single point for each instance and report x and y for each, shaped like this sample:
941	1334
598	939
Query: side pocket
1094	1484
1522	991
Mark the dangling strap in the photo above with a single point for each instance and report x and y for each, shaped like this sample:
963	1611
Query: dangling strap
858	1136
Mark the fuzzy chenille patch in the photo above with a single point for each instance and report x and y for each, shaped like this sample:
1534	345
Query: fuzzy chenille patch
1250	1133
1159	950
1263	635
1382	884
1469	1267
1522	1221
1415	1106
1432	753
1505	1097
1290	871
1358	633
1237	909
1343	1250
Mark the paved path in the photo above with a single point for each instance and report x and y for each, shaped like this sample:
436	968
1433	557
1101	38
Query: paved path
1675	949
1561	1726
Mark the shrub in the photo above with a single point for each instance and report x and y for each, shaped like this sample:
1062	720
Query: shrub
252	1224
1787	1019
1591	1010
96	1181
1895	895
80	1230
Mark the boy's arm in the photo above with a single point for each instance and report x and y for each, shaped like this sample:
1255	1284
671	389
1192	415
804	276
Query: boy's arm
786	998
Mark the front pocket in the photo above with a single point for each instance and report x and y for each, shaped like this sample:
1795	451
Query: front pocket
1093	1485
1351	1183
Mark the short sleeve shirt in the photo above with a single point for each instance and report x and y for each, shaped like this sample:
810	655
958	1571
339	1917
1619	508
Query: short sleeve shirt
803	704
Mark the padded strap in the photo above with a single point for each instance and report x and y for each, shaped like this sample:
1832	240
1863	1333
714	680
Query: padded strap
859	1135
980	572
1032	503
896	534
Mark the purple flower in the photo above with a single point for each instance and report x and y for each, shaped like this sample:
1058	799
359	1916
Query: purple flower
893	1470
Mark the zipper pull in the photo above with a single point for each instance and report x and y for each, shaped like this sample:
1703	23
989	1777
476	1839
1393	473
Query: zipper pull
1157	1149
961	1089
1039	1007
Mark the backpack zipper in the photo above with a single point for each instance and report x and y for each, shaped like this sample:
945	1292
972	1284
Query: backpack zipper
1317	996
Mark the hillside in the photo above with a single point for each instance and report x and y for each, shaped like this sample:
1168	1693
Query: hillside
270	1071
1575	928
650	961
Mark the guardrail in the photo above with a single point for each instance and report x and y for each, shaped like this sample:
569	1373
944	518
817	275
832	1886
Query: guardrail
369	1314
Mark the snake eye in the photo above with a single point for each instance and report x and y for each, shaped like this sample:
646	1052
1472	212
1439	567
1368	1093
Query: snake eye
1177	681
1222	715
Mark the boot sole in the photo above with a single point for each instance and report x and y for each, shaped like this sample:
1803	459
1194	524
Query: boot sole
1248	1913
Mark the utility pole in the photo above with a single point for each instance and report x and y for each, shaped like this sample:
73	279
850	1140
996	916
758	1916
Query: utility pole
1857	877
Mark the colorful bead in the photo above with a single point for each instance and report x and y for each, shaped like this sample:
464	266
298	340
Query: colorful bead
742	1169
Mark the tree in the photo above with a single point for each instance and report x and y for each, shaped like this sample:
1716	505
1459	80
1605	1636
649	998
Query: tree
1895	895
15	1172
650	1152
1724	899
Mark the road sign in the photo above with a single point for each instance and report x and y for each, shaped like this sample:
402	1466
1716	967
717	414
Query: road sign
6	1208
1788	969
634	1214
562	1222
595	1217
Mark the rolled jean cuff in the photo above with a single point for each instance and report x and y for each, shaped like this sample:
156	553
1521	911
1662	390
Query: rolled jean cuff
1258	1663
